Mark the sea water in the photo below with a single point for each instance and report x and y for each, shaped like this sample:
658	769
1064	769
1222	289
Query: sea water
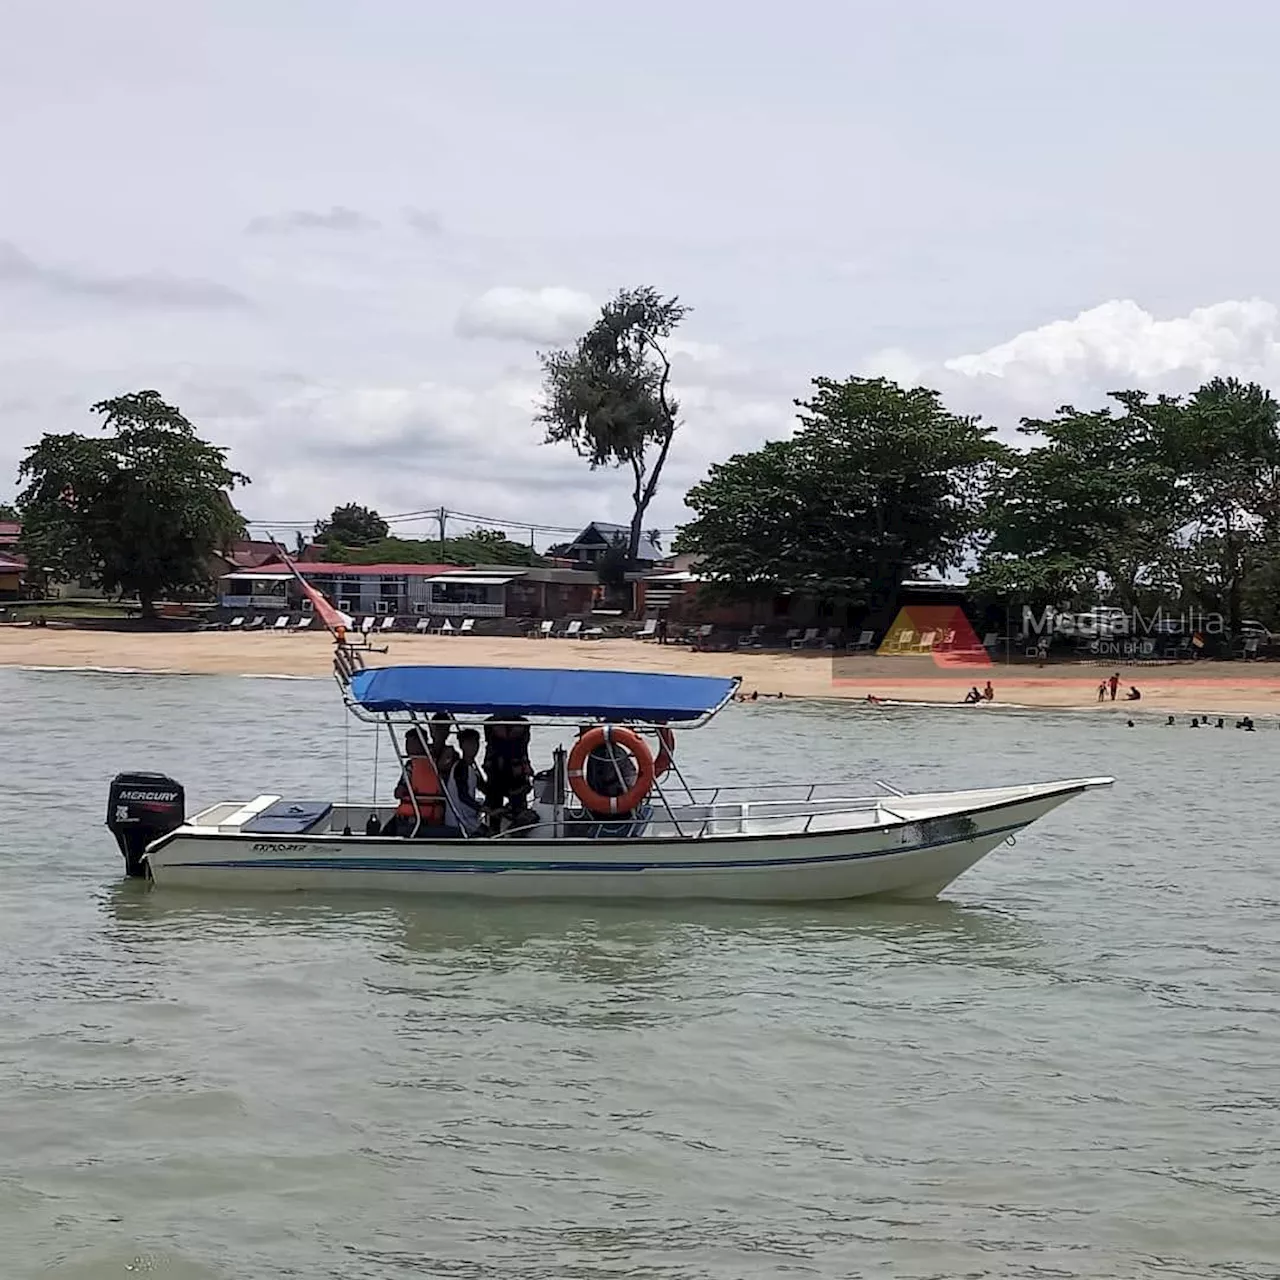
1070	1067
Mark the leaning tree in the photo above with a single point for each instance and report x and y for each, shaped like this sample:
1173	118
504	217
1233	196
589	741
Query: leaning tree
609	395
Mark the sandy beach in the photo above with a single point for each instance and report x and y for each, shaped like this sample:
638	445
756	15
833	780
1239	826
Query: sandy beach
1187	687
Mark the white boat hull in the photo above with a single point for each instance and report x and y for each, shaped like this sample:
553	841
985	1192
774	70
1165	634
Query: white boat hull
855	849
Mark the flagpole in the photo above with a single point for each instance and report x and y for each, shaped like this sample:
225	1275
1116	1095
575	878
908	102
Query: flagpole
337	631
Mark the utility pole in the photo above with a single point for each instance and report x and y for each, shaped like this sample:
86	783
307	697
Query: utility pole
442	517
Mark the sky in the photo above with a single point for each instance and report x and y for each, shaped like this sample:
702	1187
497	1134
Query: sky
337	235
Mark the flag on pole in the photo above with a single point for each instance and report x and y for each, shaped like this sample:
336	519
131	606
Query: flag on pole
337	621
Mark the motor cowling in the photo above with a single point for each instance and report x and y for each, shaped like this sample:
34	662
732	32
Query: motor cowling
142	807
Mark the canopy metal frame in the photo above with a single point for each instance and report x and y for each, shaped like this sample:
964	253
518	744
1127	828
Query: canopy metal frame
348	660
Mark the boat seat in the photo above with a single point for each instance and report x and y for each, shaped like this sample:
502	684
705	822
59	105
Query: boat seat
289	818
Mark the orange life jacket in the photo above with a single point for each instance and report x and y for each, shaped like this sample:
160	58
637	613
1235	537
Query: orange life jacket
425	789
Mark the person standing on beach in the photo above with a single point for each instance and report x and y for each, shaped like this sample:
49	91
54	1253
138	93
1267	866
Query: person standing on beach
1114	682
1102	691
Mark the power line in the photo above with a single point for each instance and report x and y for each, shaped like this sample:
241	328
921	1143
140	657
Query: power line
445	514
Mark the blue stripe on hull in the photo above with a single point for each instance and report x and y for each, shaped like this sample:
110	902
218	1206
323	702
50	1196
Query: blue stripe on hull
488	867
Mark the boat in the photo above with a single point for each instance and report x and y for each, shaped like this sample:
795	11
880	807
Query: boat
665	839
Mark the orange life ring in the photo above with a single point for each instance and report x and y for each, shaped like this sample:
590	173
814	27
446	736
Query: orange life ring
577	771
666	752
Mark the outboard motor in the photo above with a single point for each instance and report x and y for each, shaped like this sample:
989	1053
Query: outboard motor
142	807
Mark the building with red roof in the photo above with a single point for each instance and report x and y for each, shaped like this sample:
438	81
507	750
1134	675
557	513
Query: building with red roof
413	590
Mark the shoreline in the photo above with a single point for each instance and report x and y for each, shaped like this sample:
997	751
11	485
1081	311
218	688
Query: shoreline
1198	688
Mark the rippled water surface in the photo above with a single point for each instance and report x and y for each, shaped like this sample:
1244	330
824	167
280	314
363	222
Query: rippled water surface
1068	1068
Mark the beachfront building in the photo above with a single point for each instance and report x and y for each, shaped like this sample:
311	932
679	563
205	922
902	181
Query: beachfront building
589	547
414	590
13	568
678	592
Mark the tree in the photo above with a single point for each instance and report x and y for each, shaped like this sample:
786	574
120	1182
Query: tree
1093	506
1226	451
1171	498
879	481
609	396
352	526
8	511
140	511
611	567
459	551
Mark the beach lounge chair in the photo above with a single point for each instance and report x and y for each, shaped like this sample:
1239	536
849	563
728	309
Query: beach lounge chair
751	639
572	631
366	625
281	623
423	626
925	644
702	635
304	622
542	630
903	640
388	623
446	628
792	636
804	641
863	642
591	633
256	623
990	640
648	631
236	623
831	638
468	626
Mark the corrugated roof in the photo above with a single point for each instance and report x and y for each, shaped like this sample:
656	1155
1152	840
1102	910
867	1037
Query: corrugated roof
646	550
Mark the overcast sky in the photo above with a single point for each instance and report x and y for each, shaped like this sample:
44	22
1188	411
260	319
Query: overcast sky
336	234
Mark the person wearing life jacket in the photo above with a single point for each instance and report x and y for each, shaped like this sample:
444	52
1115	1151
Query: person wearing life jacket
420	791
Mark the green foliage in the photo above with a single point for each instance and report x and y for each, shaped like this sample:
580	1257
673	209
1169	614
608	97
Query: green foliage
609	395
352	526
877	482
469	550
1095	500
139	511
1226	449
8	511
1174	501
611	567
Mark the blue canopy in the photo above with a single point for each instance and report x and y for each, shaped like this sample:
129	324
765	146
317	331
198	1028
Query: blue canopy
608	695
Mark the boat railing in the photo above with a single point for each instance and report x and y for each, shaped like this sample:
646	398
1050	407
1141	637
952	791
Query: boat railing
810	791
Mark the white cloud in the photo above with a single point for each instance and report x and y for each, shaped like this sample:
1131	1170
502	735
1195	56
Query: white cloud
469	447
1115	345
549	315
1121	340
894	363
